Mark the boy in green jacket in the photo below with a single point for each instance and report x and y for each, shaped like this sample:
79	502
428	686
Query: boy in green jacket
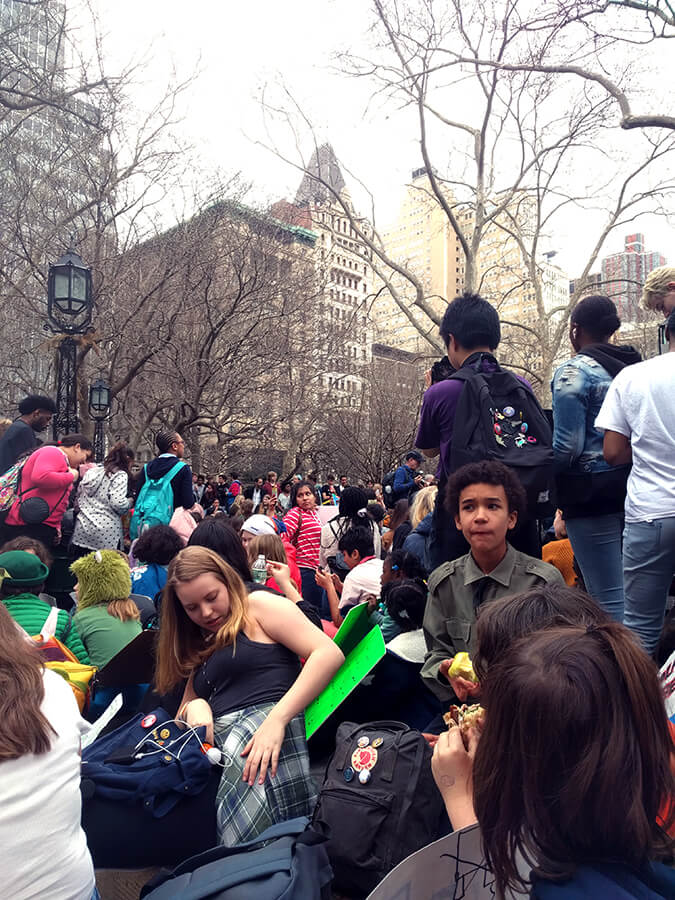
23	579
485	499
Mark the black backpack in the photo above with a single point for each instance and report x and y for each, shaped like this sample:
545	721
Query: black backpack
372	826
388	488
498	417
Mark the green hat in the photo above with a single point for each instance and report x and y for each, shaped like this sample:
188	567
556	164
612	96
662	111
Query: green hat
102	576
25	569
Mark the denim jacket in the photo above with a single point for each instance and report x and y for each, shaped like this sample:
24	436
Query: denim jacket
579	387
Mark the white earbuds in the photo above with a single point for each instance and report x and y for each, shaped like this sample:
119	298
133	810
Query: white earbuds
214	756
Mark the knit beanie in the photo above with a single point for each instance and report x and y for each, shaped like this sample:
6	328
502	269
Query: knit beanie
102	576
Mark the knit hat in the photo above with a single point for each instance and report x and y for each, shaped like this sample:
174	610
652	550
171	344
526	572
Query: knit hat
24	569
102	576
259	524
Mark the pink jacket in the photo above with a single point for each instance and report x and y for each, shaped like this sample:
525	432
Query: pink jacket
45	474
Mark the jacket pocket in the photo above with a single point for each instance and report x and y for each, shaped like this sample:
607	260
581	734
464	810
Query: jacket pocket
459	632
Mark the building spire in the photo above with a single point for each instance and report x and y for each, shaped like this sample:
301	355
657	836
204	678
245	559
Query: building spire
323	167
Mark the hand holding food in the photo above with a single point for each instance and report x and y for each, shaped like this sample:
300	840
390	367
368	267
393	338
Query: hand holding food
467	719
464	685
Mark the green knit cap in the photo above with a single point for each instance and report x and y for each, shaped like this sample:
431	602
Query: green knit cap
24	569
102	576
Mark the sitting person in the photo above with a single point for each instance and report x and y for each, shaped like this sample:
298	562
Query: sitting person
154	550
272	547
575	779
251	701
26	575
485	499
398	565
44	849
219	535
363	579
106	617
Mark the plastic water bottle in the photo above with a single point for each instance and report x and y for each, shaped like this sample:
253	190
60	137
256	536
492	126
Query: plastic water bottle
259	570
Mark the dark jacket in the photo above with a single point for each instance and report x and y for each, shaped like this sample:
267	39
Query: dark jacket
18	439
181	483
416	542
653	882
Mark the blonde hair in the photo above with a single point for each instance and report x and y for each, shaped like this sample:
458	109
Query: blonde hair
182	645
423	504
124	610
656	285
270	545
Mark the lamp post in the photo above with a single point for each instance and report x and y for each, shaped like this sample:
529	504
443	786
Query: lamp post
69	308
99	409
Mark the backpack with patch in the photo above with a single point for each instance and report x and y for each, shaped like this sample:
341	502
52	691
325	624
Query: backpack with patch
154	504
378	802
230	497
388	488
498	417
9	485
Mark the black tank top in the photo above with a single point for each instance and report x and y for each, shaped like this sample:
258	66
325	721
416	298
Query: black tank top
232	679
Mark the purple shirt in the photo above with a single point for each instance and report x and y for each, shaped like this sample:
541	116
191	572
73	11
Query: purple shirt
438	417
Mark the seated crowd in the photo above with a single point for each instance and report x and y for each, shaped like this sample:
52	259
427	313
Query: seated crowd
569	768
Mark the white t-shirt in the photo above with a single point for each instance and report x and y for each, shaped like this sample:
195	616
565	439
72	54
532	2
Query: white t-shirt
362	579
43	849
640	405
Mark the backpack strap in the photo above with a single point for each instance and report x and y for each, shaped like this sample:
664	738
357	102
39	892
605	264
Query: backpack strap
174	470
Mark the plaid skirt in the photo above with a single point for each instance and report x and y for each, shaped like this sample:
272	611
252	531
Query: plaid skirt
244	812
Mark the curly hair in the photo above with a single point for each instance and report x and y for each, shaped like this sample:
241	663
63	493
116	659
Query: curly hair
159	545
487	471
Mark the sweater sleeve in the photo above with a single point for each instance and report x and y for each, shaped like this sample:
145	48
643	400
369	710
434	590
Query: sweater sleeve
50	468
182	488
117	493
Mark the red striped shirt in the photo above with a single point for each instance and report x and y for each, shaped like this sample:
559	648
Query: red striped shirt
308	540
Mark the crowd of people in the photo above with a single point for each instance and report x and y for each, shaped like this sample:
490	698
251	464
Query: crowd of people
540	552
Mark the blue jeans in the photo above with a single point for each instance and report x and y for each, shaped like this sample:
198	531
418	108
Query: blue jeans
596	541
95	895
648	566
310	589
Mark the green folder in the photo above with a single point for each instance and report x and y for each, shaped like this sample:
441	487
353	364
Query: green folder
363	646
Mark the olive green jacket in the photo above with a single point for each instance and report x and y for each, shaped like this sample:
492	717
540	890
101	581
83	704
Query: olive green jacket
456	590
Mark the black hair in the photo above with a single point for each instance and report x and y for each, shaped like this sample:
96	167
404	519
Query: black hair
370	494
598	317
352	500
234	475
407	564
414	454
486	472
69	440
405	600
472	321
158	545
296	487
358	538
377	511
218	535
36	401
164	440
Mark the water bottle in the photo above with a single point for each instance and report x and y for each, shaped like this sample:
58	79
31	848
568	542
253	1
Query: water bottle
259	570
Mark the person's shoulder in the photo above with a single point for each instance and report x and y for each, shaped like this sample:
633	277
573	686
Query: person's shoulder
443	391
445	571
531	565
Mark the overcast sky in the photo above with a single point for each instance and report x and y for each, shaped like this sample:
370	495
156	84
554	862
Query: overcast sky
239	48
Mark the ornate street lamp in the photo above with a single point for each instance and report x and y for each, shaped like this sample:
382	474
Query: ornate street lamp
69	309
99	410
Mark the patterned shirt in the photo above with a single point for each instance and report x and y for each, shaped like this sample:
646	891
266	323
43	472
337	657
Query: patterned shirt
307	524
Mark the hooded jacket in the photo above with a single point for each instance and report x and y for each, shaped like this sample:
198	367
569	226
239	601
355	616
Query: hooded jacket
101	499
416	542
579	387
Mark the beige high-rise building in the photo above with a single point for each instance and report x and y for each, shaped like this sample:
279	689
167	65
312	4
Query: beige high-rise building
423	240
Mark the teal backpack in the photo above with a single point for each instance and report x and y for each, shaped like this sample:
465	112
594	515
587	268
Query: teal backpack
154	504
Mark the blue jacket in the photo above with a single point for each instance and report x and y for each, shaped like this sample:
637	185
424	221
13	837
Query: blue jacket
416	542
404	482
579	387
654	882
